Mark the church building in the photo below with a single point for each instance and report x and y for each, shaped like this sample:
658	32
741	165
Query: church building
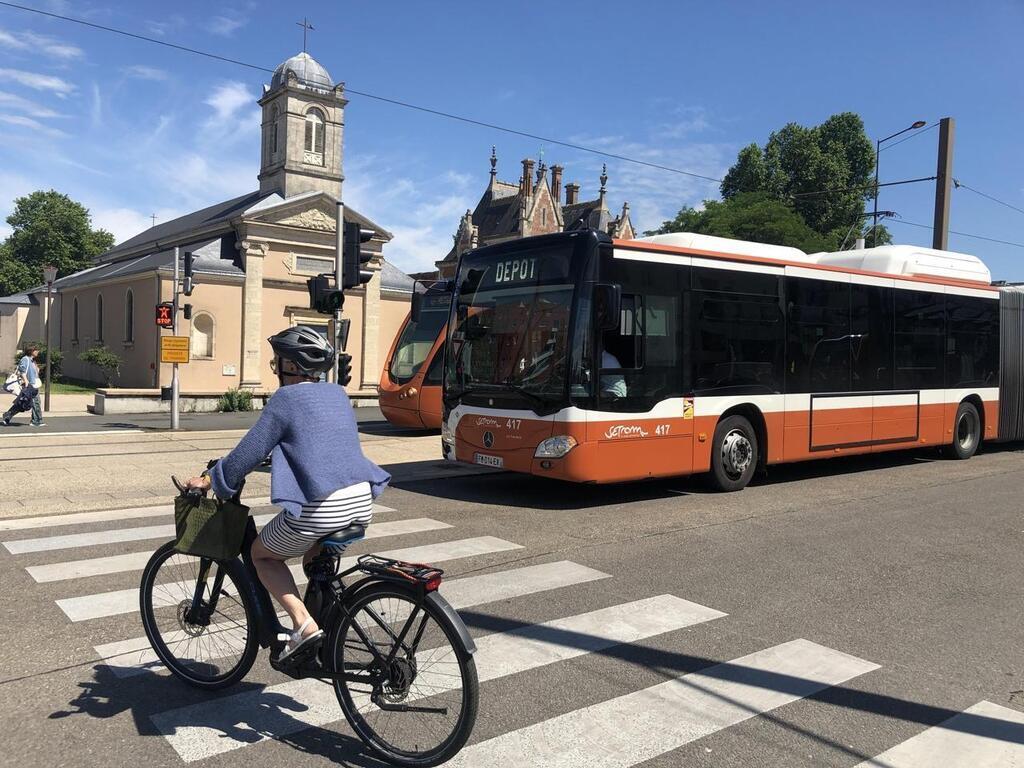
532	206
252	257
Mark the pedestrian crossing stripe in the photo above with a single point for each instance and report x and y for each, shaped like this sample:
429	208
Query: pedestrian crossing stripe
120	601
134	656
108	515
136	561
639	726
202	730
983	736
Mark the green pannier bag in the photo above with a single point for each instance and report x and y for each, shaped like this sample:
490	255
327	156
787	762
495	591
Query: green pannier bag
209	527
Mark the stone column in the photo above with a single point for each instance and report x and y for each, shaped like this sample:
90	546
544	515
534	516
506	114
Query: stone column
253	253
370	374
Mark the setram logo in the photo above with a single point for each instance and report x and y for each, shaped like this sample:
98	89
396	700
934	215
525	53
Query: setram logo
625	430
485	421
488	439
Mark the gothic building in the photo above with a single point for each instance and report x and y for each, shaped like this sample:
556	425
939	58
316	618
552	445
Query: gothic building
532	206
253	255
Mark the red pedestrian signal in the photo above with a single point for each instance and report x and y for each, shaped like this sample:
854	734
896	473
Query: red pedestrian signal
164	315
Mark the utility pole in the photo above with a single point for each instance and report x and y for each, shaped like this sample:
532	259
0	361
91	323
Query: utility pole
943	184
174	332
339	268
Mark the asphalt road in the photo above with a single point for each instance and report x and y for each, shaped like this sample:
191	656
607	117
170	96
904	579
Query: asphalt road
829	614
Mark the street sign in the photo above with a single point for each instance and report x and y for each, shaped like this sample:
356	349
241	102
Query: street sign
165	314
174	349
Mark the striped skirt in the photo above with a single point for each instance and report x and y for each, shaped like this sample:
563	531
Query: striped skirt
288	536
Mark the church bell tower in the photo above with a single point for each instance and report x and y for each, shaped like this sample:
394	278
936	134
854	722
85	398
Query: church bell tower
303	119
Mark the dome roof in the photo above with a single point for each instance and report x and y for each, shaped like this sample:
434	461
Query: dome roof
309	71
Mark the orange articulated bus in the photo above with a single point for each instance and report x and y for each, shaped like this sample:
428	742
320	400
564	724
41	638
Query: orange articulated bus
577	357
410	384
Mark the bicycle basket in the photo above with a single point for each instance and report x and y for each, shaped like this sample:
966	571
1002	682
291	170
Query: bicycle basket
209	527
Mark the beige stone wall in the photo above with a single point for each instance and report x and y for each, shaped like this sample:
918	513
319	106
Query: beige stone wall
12	325
394	311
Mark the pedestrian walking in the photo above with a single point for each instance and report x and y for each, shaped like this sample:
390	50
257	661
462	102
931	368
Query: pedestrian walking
28	376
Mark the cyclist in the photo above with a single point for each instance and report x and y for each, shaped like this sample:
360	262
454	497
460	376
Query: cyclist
319	475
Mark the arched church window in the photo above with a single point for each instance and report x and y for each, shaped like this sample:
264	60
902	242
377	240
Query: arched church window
314	137
99	318
274	114
129	317
202	335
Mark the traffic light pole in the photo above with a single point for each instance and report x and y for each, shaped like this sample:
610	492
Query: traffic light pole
339	268
174	332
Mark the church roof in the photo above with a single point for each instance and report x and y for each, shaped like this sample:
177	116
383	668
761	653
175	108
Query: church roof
309	72
394	279
587	215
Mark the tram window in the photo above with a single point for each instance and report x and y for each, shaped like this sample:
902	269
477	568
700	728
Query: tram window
871	337
436	369
818	336
972	342
919	340
737	341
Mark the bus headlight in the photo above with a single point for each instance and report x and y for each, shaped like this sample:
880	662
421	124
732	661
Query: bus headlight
555	447
446	434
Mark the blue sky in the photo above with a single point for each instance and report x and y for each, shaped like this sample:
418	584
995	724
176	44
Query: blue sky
130	129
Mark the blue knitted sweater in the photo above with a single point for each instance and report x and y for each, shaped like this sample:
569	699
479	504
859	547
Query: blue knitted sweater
311	430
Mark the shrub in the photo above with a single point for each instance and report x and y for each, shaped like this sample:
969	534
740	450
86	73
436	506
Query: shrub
108	363
58	358
235	400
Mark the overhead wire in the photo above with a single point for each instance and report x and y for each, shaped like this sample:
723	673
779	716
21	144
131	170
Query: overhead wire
368	95
962	234
911	136
960	185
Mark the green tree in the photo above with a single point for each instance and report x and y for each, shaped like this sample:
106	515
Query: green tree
754	216
48	228
823	172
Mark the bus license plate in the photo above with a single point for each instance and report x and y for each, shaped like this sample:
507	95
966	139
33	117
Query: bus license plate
488	461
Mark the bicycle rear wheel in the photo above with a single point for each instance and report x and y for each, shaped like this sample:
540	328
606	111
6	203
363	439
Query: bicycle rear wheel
431	670
212	647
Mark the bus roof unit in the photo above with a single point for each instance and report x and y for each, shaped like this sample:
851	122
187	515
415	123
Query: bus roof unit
910	261
691	240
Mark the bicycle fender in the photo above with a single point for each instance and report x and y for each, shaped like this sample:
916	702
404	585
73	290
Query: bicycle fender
453	616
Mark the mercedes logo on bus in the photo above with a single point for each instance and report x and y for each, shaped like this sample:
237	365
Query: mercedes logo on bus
488	439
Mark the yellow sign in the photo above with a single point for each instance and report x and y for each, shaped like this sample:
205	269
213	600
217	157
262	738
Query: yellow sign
174	349
687	407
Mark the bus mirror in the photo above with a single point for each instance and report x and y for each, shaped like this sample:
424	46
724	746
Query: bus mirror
607	305
417	302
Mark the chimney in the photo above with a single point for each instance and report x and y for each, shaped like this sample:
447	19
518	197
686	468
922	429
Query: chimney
572	193
556	182
526	183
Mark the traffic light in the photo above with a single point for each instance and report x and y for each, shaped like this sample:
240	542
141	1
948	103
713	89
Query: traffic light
323	298
353	274
344	369
186	285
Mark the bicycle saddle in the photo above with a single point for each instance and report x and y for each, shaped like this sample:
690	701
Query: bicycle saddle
343	537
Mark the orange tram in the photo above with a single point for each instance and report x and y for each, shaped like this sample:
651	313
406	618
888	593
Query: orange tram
579	357
410	384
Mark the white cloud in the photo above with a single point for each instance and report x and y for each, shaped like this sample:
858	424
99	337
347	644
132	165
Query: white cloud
21	121
31	42
234	116
128	222
225	26
96	106
38	81
228	98
143	72
168	24
25	106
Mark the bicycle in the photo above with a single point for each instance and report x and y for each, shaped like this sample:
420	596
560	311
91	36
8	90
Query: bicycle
394	649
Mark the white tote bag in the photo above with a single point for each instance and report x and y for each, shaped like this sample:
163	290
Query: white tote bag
12	385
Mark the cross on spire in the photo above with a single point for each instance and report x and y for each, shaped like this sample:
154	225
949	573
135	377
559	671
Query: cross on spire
306	27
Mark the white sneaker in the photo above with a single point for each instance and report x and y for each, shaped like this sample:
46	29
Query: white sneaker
40	424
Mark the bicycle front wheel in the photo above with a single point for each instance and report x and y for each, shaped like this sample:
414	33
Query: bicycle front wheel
212	645
421	706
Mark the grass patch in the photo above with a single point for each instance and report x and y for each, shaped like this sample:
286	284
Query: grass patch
67	388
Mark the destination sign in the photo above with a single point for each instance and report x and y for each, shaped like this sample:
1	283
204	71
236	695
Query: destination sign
515	270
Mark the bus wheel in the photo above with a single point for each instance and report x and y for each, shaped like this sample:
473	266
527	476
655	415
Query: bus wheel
733	454
966	432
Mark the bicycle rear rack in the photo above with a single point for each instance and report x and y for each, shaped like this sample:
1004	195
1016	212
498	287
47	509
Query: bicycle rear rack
398	570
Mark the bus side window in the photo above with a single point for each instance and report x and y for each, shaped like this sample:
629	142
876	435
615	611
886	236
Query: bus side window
625	342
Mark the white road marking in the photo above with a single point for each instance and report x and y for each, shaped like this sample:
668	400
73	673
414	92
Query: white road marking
136	561
202	730
127	600
631	729
105	515
983	736
131	657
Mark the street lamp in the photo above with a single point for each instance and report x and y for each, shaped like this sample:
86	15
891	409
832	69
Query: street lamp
49	275
878	147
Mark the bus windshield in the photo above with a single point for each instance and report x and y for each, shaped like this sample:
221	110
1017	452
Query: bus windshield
511	325
417	338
